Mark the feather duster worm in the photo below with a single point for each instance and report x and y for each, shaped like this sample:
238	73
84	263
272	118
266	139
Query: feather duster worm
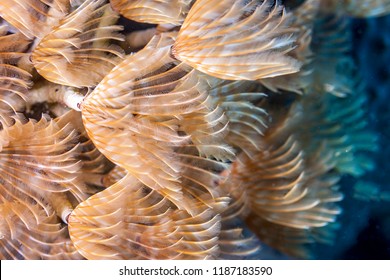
155	229
297	179
149	227
27	232
234	242
147	111
237	40
44	175
247	121
38	173
14	78
144	226
51	93
34	18
152	11
38	161
303	18
93	164
180	170
193	156
291	191
281	187
77	52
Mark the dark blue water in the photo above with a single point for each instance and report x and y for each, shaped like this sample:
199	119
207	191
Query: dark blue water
371	238
365	222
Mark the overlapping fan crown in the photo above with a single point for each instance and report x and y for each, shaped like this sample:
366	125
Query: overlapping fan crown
183	145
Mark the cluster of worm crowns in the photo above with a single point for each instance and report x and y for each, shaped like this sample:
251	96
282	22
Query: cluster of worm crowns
217	124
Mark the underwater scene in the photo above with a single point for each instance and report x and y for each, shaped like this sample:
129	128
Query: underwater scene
371	192
194	129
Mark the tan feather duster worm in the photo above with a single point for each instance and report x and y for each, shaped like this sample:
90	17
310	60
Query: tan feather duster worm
129	221
34	18
27	232
286	192
153	11
38	165
237	40
281	188
247	120
233	241
303	18
14	79
39	188
141	113
93	164
78	51
155	121
192	155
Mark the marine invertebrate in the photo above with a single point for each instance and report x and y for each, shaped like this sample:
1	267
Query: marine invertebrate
151	11
256	36
41	15
14	75
27	233
38	183
197	129
72	50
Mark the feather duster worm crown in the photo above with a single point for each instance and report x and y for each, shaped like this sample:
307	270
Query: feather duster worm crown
250	38
231	125
153	11
77	52
14	76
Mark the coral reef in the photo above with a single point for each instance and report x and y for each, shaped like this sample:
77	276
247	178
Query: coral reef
217	127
